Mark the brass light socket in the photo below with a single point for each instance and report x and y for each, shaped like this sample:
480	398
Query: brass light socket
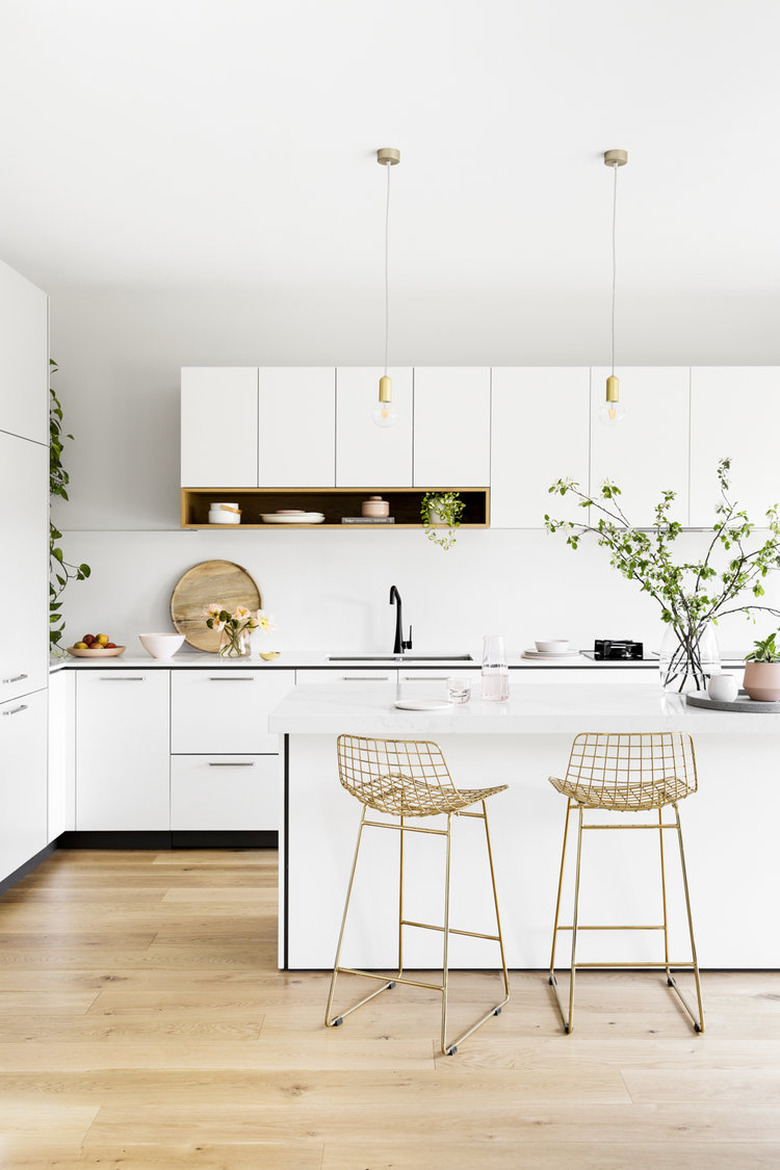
613	389
388	156
386	389
615	158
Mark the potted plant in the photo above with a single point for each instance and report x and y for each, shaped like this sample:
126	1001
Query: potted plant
441	510
692	594
762	671
60	570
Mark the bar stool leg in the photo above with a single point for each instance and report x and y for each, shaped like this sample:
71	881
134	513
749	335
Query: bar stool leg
504	972
663	892
697	1024
556	926
446	947
330	1021
569	1024
402	835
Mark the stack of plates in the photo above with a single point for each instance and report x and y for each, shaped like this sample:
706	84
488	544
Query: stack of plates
550	655
292	516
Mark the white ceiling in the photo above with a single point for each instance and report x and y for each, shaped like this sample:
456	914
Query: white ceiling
231	143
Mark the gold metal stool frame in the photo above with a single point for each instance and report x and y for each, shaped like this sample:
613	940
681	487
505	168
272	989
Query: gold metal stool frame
409	778
628	772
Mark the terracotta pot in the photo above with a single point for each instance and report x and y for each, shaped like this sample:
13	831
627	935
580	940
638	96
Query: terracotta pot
762	681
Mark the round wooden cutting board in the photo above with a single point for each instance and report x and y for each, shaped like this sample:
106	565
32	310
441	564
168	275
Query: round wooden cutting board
222	582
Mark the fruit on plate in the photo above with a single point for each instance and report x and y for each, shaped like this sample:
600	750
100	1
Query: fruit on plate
110	646
102	639
88	639
80	646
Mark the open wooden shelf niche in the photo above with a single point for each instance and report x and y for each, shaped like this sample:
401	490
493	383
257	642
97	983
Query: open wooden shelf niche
332	502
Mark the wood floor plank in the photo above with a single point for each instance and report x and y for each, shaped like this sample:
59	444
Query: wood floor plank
230	1156
542	1155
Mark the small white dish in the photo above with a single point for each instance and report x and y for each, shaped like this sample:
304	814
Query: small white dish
552	646
161	645
551	654
287	518
422	704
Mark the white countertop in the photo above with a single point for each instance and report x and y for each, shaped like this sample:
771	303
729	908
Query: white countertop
568	708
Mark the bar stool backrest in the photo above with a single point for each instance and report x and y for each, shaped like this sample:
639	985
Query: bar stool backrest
632	770
391	775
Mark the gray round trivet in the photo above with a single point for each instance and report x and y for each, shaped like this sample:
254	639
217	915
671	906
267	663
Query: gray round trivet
741	703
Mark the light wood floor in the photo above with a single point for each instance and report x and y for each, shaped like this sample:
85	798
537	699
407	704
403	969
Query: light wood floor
143	1024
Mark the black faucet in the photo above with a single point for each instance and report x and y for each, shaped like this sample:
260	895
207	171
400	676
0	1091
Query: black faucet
399	645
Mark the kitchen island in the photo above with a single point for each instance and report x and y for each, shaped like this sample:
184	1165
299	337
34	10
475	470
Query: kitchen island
729	826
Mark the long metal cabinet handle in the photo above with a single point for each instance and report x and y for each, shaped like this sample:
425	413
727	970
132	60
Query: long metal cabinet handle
122	678
223	678
424	678
364	678
16	710
16	678
232	764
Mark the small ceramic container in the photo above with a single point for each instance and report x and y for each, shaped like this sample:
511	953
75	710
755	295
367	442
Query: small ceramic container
723	688
375	506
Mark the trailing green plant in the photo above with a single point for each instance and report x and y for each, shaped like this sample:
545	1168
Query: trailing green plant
765	650
691	594
448	508
60	570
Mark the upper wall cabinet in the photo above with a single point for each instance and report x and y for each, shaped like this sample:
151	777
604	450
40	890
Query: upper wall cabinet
368	455
451	426
24	357
647	452
539	434
219	426
297	420
735	413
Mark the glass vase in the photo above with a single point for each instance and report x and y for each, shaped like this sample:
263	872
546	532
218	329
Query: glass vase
688	658
233	643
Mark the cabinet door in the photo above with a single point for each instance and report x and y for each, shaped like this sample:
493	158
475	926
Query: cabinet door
24	579
368	455
451	426
540	418
24	357
219	426
22	780
62	753
122	750
225	793
226	710
647	452
735	412
297	421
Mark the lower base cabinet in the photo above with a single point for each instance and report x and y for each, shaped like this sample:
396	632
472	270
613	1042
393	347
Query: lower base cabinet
23	780
224	793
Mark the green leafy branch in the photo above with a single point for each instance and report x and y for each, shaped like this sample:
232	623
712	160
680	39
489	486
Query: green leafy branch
60	570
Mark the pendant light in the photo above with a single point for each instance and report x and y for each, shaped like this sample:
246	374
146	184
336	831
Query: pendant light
383	413
612	411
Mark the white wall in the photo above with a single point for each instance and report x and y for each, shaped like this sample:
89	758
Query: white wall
119	357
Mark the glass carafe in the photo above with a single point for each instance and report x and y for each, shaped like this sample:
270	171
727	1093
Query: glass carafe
495	672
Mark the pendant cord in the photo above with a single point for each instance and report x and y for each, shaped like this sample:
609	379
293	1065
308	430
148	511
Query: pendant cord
614	260
387	268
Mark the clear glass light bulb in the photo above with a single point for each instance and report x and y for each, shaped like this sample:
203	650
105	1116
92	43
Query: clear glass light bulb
611	413
384	414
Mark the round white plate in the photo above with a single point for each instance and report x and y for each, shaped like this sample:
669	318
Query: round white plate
304	518
422	704
551	653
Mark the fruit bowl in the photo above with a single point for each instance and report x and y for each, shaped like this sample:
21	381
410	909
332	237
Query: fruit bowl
101	652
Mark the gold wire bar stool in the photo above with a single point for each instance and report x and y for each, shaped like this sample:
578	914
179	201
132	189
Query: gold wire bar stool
627	773
403	779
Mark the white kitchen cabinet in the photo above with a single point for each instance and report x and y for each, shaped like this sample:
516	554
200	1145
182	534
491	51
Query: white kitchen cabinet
62	754
540	421
22	780
24	580
24	357
297	427
122	749
368	455
735	412
225	710
451	426
225	793
219	426
647	452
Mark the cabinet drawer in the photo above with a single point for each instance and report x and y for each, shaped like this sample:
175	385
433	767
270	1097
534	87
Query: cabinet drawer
348	674
225	793
22	780
225	709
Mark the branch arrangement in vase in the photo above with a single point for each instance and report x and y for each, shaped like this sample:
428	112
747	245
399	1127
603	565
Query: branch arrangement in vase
691	594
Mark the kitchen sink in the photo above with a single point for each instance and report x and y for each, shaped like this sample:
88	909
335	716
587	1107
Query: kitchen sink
400	658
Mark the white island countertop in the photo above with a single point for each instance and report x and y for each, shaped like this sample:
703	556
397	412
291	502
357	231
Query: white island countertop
531	709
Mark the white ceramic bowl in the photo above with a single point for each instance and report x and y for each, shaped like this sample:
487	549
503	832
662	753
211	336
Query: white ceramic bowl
161	645
222	517
553	646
